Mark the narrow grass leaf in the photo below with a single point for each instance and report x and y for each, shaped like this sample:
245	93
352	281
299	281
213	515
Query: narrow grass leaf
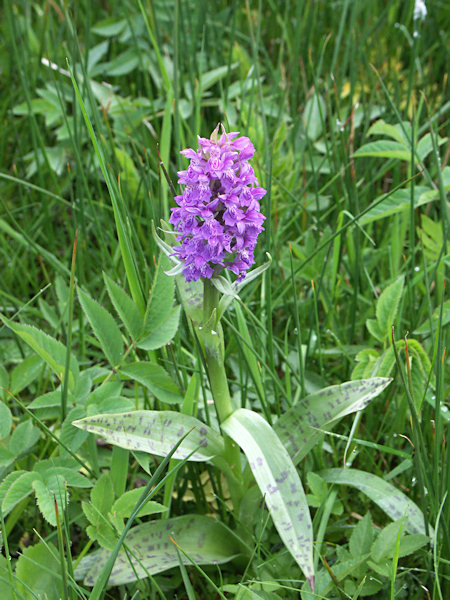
278	481
394	503
104	327
156	432
299	428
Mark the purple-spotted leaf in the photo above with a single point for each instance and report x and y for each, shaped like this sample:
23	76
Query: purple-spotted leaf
156	432
278	481
300	427
394	503
151	550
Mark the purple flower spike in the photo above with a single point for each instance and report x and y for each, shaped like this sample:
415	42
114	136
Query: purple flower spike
218	217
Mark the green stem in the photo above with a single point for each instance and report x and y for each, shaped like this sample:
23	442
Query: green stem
212	337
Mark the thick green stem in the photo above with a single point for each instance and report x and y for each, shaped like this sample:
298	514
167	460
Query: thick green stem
213	346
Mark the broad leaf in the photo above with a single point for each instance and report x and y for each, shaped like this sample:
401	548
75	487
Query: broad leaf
15	488
151	550
25	373
314	116
36	570
49	491
300	427
5	420
163	333
387	306
384	149
125	308
49	349
394	503
396	202
278	481
154	378
156	432
105	328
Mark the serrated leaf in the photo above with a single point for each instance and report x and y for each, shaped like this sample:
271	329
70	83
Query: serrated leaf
156	432
205	541
35	570
49	349
161	296
104	327
125	308
24	436
384	547
124	506
387	306
163	334
154	378
5	420
374	330
394	503
396	202
15	489
53	490
278	481
300	427
362	537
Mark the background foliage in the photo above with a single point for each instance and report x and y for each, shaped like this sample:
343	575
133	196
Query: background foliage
347	105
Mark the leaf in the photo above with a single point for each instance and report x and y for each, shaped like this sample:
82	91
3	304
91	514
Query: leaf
362	537
387	306
49	349
161	296
278	481
72	437
35	570
102	494
104	327
25	373
124	506
24	436
161	335
49	491
203	539
300	427
156	432
125	308
397	202
14	489
394	503
5	420
314	116
393	131
385	544
384	149
4	382
154	378
425	328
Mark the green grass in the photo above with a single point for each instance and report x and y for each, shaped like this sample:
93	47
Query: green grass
357	228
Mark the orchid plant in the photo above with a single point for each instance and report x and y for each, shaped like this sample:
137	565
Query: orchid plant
216	222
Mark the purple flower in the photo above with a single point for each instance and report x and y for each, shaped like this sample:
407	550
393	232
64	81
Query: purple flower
218	216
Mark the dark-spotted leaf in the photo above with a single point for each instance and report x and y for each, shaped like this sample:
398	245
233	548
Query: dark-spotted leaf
300	427
104	327
278	481
203	539
49	349
156	432
154	378
394	503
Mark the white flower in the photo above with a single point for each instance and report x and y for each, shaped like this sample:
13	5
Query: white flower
420	10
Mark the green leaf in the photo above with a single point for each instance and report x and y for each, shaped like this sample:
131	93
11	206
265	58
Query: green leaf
278	481
204	539
4	382
385	544
300	427
104	327
49	349
394	503
387	306
156	432
24	436
125	307
396	202
102	494
161	296
47	492
163	334
5	420
25	373
124	506
362	537
314	116
384	149
71	436
15	488
425	328
36	570
154	378
374	330
393	131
